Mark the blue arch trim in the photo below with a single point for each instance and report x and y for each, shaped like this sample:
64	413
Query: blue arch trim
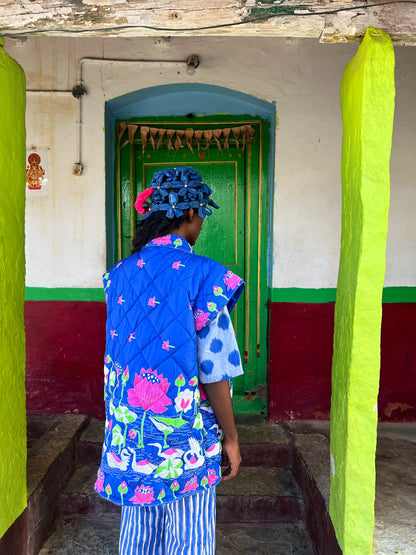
178	99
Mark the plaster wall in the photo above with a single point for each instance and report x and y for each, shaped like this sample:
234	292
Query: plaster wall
65	227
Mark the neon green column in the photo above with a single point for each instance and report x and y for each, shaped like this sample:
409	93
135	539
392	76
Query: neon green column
12	281
367	103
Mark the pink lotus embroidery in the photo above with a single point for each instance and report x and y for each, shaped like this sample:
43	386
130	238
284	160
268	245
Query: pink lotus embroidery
149	391
99	484
165	240
212	476
190	485
113	334
142	495
231	280
166	346
201	318
121	300
131	336
140	263
152	302
132	434
177	264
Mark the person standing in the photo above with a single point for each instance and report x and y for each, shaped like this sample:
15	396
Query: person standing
170	355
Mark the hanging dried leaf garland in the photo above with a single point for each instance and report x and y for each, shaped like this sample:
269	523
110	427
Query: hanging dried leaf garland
175	138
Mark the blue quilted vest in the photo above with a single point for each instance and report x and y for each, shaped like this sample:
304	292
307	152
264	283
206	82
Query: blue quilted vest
162	441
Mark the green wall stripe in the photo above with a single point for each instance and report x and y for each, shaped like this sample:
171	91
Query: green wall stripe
299	295
64	294
399	295
278	295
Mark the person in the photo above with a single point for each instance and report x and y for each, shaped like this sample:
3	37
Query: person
171	353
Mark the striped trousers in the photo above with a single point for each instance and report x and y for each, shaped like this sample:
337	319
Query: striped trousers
182	527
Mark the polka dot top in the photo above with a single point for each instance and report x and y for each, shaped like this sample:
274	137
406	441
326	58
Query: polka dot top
218	355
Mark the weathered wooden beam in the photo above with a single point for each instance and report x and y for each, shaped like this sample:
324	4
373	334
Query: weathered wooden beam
284	18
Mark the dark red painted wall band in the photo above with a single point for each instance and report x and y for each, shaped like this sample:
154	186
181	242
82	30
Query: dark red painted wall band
301	359
65	350
65	343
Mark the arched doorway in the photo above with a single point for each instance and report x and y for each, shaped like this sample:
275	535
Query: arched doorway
241	181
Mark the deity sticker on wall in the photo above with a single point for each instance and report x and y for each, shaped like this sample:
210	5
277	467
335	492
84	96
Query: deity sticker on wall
36	171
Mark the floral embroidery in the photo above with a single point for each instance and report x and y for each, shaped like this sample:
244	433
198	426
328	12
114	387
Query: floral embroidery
165	240
120	300
131	336
218	292
231	280
108	490
141	262
176	265
152	302
149	391
142	495
201	318
166	346
212	476
180	381
113	334
99	484
174	487
190	485
177	242
183	401
122	488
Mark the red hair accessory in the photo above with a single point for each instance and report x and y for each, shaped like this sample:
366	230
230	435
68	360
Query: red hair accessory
141	199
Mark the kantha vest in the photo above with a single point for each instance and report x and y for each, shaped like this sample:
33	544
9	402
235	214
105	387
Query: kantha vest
161	441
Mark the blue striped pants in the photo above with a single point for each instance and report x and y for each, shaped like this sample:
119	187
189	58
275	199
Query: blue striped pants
182	527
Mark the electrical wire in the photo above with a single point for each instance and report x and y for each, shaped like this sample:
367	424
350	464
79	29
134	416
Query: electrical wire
210	27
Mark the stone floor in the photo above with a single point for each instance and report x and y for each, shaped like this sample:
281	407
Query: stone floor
395	505
395	508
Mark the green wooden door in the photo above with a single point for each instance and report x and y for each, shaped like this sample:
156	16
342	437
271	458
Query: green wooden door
230	236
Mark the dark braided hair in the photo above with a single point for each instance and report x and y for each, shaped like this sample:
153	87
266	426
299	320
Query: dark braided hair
156	225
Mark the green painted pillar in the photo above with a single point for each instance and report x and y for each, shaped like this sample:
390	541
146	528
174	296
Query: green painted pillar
12	282
367	103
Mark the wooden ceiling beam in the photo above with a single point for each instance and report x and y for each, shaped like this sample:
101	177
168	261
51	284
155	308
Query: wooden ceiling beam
279	18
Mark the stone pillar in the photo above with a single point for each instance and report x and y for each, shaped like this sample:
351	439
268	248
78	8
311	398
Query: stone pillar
367	103
12	288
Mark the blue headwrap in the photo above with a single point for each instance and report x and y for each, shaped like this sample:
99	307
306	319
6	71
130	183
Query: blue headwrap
177	189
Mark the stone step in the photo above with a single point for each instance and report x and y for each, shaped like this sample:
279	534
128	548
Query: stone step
51	451
99	536
257	494
261	443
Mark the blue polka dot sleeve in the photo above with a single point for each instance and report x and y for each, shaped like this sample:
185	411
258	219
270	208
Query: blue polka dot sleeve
218	355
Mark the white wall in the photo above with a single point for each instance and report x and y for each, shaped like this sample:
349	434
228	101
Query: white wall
66	226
